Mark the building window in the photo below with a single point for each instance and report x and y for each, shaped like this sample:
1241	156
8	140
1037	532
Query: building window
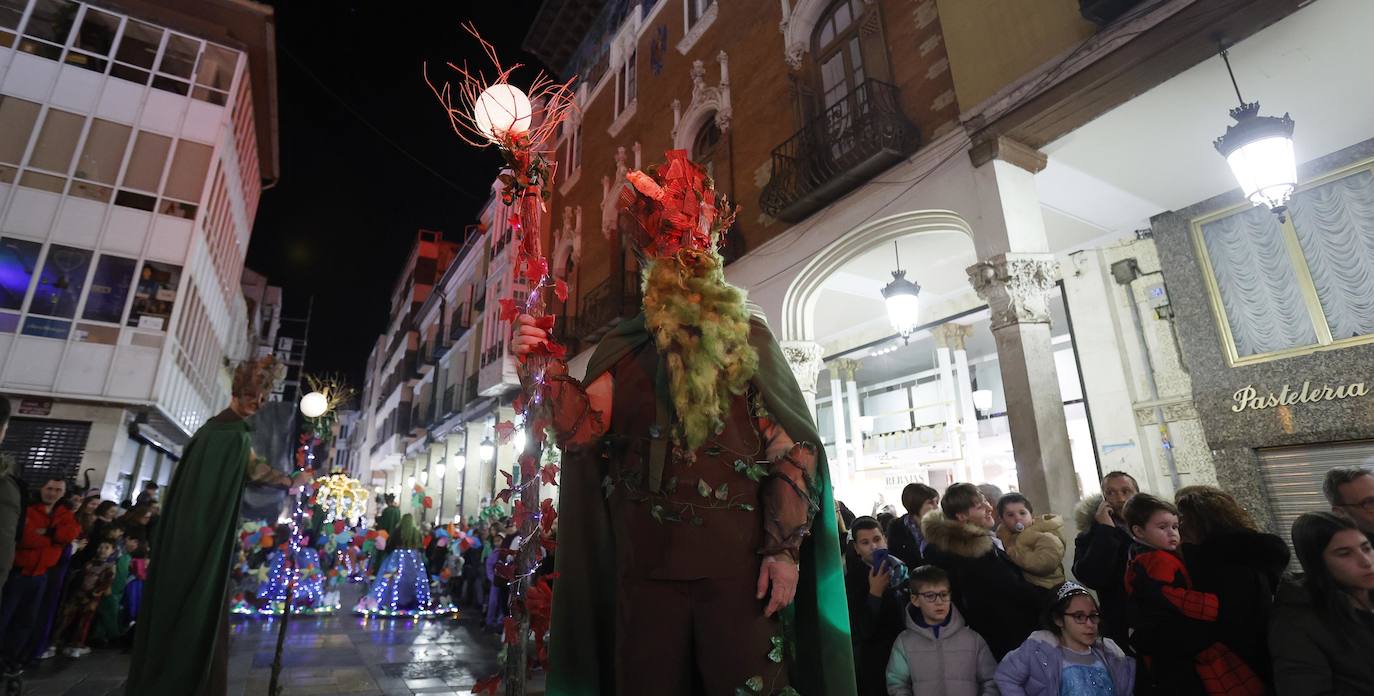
11	11
625	84
57	141
95	38
103	151
840	57
144	172
137	51
18	261
186	178
17	118
215	74
1281	289
109	289
572	148
155	295
61	282
705	143
696	9
49	23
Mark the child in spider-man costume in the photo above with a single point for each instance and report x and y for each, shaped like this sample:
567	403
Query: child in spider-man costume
1172	624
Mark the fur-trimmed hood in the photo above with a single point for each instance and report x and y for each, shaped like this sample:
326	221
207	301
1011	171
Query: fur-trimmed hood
953	536
1086	510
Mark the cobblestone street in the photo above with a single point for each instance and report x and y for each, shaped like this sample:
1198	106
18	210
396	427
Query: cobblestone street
341	654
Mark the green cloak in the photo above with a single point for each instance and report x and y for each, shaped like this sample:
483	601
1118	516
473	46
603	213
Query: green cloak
389	519
188	578
106	624
582	639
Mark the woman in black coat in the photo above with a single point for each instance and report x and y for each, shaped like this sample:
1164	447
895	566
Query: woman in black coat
1228	556
1322	631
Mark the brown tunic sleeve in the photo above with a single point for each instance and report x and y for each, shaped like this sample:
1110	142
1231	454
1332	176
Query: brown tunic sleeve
789	493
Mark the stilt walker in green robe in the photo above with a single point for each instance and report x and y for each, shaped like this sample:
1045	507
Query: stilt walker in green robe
692	480
181	644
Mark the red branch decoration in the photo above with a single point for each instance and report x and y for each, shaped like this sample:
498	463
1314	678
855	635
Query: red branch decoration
487	112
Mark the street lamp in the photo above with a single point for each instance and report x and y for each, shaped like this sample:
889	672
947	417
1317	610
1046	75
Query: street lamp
1259	150
982	400
487	450
903	308
438	471
410	482
502	110
459	462
314	404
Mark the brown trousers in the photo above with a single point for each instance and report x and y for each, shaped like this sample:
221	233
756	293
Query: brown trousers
689	637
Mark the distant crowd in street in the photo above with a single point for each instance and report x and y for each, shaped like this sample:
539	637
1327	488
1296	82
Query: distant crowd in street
72	565
967	593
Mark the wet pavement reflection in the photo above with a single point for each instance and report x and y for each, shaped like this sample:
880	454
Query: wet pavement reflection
339	654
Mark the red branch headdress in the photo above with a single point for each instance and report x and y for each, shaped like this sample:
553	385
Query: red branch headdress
675	208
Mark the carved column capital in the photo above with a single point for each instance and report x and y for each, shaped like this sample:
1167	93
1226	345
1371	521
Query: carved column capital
951	336
1016	287
845	369
804	357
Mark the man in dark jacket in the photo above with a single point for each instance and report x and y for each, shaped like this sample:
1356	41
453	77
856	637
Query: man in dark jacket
1101	550
988	589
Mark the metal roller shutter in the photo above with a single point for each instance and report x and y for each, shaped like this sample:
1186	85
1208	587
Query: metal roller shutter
1293	476
46	448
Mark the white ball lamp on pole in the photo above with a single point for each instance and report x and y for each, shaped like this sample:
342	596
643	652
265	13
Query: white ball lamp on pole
314	404
502	110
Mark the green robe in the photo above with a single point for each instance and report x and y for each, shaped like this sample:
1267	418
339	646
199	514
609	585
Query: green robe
186	596
106	625
582	639
389	519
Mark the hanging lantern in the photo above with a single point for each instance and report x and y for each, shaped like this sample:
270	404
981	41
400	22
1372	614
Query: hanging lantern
459	461
1259	150
900	295
487	450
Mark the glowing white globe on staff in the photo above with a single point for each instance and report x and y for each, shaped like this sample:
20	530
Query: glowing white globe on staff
314	404
501	109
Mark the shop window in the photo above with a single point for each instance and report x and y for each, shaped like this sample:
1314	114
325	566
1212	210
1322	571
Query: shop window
137	50
154	296
146	163
103	152
109	289
48	448
61	282
189	166
93	40
57	141
17	117
49	24
1285	288
215	74
18	260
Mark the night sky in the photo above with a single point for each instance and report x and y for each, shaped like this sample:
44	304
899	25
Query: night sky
344	215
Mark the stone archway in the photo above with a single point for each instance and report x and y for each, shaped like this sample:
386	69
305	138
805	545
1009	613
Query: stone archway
799	303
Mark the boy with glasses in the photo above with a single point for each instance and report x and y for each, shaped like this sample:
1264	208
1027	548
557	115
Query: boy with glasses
938	653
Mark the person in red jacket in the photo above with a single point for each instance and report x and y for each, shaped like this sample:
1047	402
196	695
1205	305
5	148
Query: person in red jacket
48	528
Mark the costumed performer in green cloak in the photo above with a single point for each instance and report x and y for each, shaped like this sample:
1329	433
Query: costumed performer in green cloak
181	646
692	481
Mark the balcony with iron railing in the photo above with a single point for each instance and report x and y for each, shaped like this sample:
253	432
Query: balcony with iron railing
849	143
604	306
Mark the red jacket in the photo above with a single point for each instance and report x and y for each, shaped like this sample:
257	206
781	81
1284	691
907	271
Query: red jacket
37	551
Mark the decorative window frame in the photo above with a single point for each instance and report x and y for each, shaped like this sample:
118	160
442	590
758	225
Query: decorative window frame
799	19
692	34
624	46
706	102
1314	308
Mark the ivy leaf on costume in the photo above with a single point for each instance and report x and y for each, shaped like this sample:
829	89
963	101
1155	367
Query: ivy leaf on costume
549	474
776	653
657	513
536	268
789	691
505	430
703	489
508	309
487	686
528	467
723	493
547	514
560	290
608	485
545	322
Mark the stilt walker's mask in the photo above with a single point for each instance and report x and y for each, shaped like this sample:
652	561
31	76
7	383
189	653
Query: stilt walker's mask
672	210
